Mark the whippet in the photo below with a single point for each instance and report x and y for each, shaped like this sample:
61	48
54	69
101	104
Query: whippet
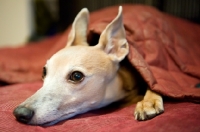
80	78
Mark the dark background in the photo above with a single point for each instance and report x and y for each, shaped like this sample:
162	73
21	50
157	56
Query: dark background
54	16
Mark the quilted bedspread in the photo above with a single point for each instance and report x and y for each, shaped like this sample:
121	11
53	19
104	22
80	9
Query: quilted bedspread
164	49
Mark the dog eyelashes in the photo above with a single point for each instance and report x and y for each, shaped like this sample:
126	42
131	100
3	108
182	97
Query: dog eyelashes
76	77
44	72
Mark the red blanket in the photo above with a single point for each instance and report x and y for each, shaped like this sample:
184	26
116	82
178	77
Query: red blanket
178	116
164	49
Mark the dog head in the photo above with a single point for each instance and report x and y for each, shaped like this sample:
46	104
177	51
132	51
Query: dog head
79	77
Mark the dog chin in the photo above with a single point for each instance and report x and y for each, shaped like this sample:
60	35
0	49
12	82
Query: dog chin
50	123
53	122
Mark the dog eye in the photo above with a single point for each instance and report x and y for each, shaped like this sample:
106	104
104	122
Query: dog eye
44	72
76	76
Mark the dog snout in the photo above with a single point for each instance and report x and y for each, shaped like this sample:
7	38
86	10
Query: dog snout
23	114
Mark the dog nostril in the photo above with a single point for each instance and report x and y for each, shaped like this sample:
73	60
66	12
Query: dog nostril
23	114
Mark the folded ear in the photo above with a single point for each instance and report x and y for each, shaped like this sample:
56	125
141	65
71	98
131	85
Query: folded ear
113	39
78	33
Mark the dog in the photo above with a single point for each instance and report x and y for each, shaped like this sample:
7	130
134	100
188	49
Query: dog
80	78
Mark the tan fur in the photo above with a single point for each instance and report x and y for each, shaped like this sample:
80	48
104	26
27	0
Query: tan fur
104	79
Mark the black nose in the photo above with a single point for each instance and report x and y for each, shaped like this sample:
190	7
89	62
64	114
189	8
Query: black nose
23	114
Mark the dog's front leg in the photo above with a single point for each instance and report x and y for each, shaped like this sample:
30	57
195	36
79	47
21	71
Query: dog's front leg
149	107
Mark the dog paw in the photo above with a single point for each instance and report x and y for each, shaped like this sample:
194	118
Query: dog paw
147	109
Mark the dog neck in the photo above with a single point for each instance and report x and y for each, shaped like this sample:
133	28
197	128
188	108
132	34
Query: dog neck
120	87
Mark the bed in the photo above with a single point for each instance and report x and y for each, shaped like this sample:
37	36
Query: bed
163	48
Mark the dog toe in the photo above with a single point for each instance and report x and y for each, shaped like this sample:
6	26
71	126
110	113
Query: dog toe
147	109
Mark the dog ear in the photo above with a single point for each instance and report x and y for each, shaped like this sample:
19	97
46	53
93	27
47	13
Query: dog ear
78	33
113	39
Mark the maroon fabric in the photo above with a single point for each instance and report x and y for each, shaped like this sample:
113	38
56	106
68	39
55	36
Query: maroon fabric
178	117
164	49
25	64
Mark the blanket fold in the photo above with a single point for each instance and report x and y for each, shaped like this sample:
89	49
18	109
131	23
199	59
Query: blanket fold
164	49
